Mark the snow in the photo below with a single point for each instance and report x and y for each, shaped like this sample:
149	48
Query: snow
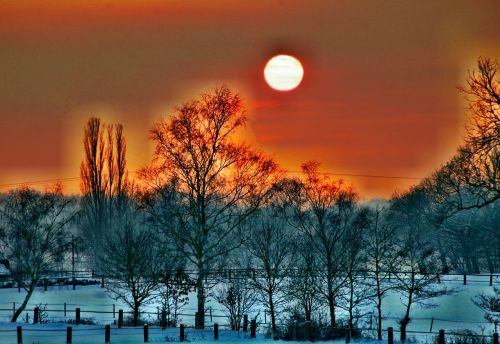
453	312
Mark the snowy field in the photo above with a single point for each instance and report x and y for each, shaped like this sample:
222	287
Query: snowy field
454	312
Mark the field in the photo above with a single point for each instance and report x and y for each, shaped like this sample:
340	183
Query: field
453	312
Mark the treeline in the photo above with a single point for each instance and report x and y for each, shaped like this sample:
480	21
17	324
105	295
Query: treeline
208	201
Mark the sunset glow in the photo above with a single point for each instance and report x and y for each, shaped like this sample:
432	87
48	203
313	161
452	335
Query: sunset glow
375	89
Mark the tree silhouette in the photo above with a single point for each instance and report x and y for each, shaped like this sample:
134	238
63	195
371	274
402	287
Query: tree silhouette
322	210
215	181
103	180
33	234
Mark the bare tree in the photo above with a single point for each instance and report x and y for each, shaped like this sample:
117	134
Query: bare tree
381	251
322	210
471	179
33	234
93	181
355	262
134	264
174	290
103	181
483	93
238	297
301	287
217	181
272	244
418	264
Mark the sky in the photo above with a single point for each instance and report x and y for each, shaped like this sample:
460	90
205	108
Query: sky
379	95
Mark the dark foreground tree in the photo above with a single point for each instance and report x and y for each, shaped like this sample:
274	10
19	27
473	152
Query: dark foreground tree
33	234
208	182
133	262
272	246
418	266
471	179
237	298
322	210
381	252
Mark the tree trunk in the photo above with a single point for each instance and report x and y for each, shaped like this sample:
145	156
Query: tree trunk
272	311
351	304
331	306
379	320
136	313
379	304
200	293
307	310
406	319
25	302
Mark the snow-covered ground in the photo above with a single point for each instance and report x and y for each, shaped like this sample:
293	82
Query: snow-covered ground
453	312
56	334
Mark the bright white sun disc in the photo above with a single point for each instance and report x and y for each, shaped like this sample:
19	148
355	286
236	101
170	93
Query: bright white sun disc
283	72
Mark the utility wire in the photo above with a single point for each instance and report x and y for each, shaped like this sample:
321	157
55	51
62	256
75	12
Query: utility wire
71	179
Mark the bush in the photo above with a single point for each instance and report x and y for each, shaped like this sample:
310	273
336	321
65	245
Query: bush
83	321
463	337
297	328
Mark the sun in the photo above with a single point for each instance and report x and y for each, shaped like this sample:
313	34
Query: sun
283	72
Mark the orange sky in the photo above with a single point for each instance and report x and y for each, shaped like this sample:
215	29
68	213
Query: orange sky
379	95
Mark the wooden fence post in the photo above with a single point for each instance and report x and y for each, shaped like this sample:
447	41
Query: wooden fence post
432	323
491	279
253	328
19	335
102	281
441	337
113	310
146	333
36	313
45	284
69	334
65	309
13	308
107	334
495	338
181	334
216	331
77	321
245	323
390	336
465	279
120	318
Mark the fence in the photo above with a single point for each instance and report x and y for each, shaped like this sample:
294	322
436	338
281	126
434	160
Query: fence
68	277
148	333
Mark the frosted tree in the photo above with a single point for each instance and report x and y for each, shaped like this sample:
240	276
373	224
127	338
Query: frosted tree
271	242
33	234
133	262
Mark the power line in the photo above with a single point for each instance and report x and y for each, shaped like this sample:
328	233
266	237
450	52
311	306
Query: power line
71	179
34	182
360	175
